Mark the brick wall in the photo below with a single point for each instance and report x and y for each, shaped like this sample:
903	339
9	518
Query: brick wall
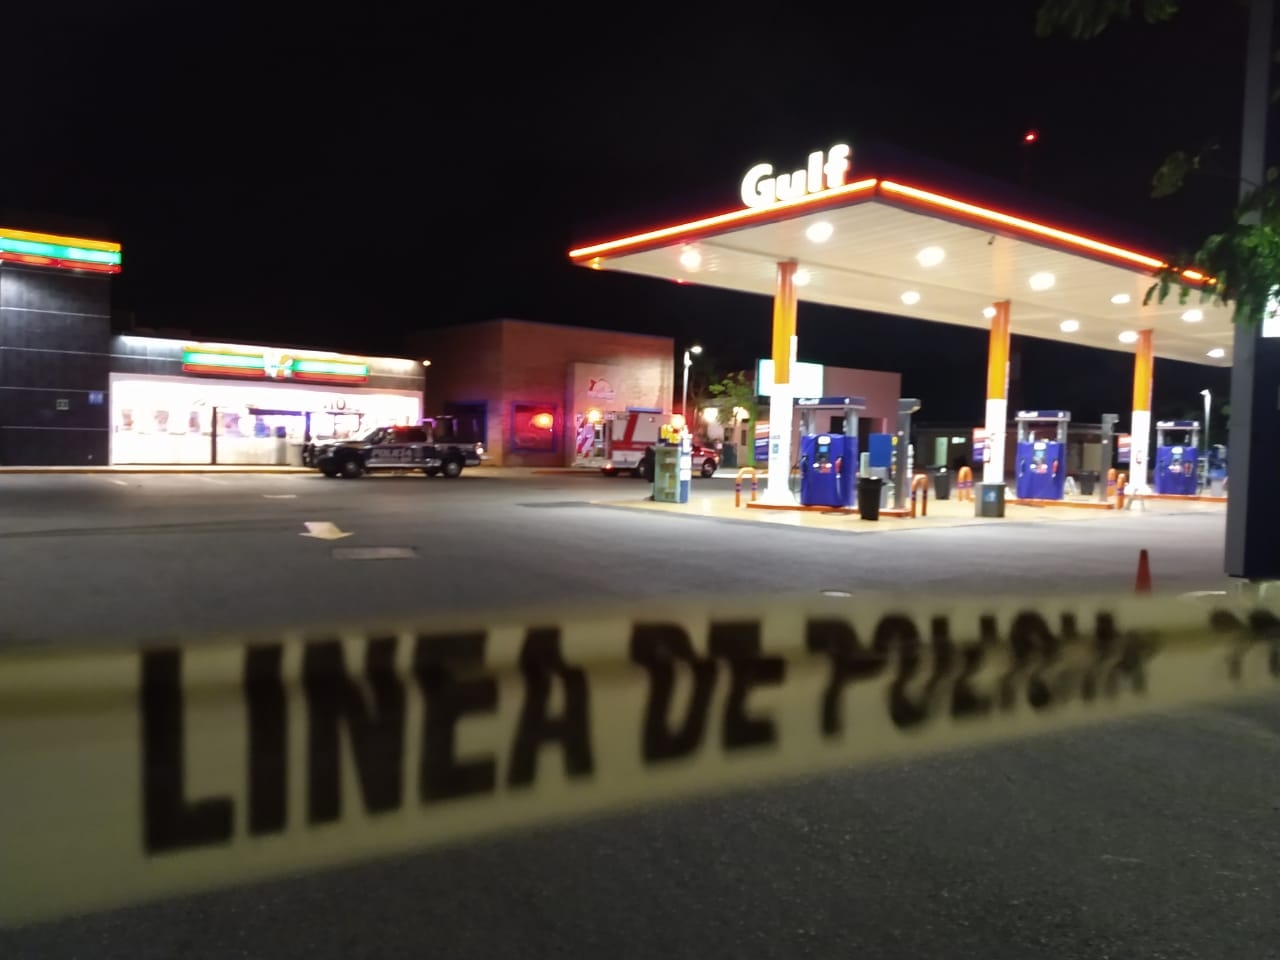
507	362
466	368
881	390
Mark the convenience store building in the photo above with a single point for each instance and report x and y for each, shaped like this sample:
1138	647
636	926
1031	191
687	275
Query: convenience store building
73	393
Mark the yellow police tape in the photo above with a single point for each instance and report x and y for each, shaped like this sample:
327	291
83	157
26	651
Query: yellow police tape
166	769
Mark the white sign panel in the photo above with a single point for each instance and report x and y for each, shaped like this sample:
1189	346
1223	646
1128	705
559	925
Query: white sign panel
806	379
762	187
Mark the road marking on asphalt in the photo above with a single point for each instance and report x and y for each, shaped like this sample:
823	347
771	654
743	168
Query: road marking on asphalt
323	530
375	553
121	483
835	593
280	496
214	480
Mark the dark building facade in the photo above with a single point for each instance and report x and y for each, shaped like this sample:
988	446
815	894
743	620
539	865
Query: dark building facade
55	332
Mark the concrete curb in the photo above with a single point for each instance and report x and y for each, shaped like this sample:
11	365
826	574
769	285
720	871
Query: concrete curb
158	470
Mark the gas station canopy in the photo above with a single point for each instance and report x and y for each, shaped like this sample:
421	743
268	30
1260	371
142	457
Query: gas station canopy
905	248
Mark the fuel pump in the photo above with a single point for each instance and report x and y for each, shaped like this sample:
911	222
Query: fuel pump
1176	464
1107	443
829	461
1041	462
904	465
881	454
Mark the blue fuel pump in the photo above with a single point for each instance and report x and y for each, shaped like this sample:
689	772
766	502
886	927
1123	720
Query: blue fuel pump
1040	472
881	448
828	464
1177	465
1041	464
828	470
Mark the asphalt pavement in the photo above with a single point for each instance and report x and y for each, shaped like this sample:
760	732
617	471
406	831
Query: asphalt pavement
1155	838
99	557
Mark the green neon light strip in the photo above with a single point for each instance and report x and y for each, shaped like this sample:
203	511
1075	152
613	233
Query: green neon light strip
9	245
194	358
333	367
197	358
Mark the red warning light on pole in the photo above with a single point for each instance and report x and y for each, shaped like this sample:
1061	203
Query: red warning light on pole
1030	137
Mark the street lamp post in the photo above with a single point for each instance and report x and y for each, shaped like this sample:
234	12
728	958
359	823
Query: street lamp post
1208	403
684	397
425	413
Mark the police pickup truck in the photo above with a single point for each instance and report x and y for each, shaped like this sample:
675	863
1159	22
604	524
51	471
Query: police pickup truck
432	447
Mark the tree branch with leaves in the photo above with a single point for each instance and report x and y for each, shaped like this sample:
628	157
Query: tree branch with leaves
732	393
1086	19
1241	262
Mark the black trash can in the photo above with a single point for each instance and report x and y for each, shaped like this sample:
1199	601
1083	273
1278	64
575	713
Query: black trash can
940	479
990	500
1088	482
870	490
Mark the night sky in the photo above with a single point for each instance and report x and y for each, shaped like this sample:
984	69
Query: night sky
301	179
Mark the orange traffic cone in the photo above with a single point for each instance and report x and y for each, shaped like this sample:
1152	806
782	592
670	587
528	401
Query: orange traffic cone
1143	583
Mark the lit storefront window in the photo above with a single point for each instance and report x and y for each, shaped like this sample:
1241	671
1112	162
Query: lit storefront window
533	428
171	419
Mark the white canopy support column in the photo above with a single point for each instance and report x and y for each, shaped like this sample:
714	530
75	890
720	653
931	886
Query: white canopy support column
997	415
1140	422
782	401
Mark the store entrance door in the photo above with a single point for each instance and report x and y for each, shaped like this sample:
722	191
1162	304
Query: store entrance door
265	437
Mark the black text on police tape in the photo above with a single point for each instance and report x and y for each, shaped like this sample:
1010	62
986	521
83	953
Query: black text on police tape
934	677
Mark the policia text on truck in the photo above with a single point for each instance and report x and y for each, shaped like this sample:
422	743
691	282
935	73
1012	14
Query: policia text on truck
432	447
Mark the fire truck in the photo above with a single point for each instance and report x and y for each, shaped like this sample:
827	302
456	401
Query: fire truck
629	439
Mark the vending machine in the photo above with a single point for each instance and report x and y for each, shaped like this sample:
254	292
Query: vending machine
1041	463
828	470
1177	463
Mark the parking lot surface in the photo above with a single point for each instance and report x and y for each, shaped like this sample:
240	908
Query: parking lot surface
94	557
1155	838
